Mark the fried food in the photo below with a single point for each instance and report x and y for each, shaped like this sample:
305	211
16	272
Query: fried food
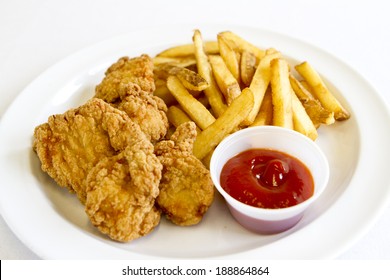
113	151
241	44
163	92
259	84
121	192
281	94
322	92
248	66
318	114
177	116
227	83
69	145
186	188
190	79
186	61
99	153
210	47
301	120
128	86
193	107
145	109
214	95
137	70
230	120
230	56
265	115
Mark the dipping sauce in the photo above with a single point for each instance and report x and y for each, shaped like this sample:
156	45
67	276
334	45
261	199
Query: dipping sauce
267	179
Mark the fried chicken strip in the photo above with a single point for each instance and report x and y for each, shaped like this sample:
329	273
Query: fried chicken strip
69	145
137	70
145	109
186	188
121	192
128	85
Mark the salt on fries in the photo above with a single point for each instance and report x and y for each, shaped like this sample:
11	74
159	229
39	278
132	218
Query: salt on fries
228	84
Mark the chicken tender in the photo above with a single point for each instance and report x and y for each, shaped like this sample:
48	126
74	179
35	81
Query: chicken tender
69	145
186	188
147	110
128	86
137	70
121	193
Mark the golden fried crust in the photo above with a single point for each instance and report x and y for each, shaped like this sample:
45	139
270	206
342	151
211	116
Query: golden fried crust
121	193
69	145
145	109
138	70
186	188
129	86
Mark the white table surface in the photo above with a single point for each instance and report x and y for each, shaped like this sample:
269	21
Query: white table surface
34	34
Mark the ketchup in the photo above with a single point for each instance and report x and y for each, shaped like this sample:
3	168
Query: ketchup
267	179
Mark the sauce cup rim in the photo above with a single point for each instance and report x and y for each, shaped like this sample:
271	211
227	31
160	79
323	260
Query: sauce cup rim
270	213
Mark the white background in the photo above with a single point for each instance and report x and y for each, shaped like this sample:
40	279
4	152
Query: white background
35	34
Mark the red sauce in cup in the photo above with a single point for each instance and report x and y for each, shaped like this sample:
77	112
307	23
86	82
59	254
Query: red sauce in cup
267	179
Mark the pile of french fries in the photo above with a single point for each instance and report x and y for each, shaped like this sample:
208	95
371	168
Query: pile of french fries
229	84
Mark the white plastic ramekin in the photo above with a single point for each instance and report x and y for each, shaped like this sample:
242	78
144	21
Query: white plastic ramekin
268	221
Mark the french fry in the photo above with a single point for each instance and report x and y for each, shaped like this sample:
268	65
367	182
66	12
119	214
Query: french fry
195	110
203	99
242	44
206	160
271	51
321	92
306	86
177	116
224	78
266	110
214	95
190	79
301	120
281	94
272	95
230	56
209	138
248	66
210	47
184	61
260	84
318	114
163	92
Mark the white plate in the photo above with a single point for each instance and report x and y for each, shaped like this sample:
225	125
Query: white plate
52	223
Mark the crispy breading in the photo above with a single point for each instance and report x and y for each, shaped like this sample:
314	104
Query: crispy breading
186	188
129	86
121	192
145	109
137	70
69	145
99	153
